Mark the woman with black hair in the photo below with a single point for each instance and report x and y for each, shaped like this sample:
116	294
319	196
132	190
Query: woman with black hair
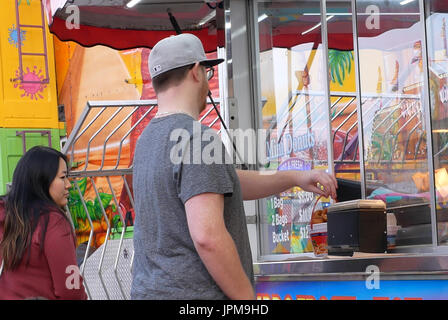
37	242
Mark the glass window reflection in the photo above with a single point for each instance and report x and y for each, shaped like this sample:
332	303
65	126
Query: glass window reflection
437	43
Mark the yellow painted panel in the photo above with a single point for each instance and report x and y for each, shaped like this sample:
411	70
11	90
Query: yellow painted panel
26	105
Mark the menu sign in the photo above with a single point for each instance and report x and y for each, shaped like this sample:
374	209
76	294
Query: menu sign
289	215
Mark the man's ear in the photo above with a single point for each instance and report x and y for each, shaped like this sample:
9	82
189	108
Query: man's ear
196	72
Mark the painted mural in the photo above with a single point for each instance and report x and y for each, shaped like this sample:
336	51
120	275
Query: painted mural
27	78
28	98
26	73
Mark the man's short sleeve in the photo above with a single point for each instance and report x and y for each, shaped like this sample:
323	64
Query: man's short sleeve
204	168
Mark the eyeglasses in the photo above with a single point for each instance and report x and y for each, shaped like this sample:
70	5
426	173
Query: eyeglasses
210	72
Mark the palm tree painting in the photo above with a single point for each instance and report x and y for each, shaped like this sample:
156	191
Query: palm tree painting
340	64
94	209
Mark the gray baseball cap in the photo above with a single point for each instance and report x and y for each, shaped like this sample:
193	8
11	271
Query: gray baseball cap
178	51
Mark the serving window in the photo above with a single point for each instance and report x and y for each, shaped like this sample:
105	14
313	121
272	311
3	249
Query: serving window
370	126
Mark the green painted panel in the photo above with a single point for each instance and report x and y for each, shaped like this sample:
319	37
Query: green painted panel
11	149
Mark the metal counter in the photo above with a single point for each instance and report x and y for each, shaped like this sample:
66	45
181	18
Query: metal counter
390	266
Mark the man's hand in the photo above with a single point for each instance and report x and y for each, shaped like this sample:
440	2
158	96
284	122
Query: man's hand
317	181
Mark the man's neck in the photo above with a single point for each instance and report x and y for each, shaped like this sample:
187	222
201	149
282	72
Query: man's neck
169	104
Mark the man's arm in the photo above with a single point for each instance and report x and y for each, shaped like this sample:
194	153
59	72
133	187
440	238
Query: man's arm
262	184
215	246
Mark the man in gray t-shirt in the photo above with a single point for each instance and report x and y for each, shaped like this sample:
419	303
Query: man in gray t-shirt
163	245
190	234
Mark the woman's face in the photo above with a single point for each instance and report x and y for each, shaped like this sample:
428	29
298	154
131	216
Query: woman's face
60	185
